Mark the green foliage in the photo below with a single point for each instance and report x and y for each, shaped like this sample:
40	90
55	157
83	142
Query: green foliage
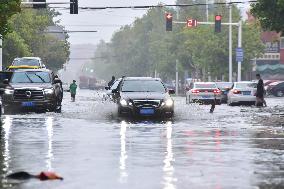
270	14
29	38
145	46
7	9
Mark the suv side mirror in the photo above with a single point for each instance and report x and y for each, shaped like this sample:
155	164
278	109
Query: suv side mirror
57	81
6	81
171	91
107	88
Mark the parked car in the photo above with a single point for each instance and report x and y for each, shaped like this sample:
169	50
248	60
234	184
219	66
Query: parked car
203	92
143	97
276	88
242	93
26	63
32	90
224	87
65	87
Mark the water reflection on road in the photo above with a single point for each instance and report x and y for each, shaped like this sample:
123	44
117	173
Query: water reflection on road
92	148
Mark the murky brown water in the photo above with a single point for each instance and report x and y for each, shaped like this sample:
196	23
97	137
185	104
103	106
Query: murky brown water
91	148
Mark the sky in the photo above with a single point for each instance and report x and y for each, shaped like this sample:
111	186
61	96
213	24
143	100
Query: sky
106	22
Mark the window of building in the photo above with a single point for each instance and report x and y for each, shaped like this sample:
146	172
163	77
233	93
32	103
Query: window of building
282	43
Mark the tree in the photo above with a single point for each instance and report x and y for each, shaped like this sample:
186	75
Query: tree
143	47
30	38
270	14
7	9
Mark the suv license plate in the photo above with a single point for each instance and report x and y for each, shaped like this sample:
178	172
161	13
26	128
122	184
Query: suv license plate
28	104
147	111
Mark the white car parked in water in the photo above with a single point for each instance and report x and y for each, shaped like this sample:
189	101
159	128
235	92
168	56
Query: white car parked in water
242	93
203	92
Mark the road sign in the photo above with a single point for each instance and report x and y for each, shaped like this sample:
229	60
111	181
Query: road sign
191	23
239	54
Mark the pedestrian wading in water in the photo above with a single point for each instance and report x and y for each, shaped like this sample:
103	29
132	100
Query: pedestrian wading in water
260	91
73	89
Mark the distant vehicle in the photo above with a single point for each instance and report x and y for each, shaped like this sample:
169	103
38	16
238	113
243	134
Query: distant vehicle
83	82
276	89
203	92
242	93
26	63
92	83
169	86
189	82
65	87
224	87
143	97
32	90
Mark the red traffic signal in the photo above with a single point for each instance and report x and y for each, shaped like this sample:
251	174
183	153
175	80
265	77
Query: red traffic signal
218	23
169	21
218	17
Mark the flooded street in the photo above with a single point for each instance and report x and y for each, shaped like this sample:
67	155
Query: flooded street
87	144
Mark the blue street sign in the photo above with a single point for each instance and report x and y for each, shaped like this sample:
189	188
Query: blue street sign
239	54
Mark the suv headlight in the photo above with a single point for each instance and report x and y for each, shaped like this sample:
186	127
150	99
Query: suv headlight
169	102
49	91
9	91
123	102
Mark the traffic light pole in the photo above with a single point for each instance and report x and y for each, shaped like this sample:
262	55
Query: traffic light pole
230	46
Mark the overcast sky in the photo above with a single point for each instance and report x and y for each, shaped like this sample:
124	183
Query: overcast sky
106	22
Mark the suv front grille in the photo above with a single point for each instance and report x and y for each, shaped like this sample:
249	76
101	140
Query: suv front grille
153	103
25	94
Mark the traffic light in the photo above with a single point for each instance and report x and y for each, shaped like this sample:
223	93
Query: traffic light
73	6
169	21
39	6
218	22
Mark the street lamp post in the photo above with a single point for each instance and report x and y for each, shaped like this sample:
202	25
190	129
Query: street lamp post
1	53
230	46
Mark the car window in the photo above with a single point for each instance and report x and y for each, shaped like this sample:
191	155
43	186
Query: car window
205	85
28	62
281	85
143	86
224	85
31	77
246	85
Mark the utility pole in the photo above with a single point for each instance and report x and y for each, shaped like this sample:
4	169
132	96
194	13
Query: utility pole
230	45
207	11
177	77
240	46
1	53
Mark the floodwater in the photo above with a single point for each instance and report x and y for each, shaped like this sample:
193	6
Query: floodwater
87	144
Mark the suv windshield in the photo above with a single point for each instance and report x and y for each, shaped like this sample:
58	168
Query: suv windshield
28	62
143	86
31	77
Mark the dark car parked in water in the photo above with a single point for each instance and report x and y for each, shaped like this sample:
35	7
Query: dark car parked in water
32	90
143	97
